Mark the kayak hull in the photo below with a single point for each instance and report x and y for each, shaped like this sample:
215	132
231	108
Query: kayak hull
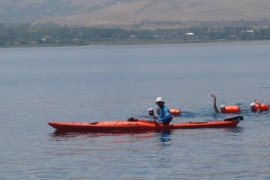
135	126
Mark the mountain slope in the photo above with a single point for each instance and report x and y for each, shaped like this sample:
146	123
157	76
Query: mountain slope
130	12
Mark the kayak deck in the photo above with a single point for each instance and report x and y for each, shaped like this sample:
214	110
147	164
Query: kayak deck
137	125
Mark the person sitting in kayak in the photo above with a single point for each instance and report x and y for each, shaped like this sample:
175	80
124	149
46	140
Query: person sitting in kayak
225	109
256	106
164	115
151	113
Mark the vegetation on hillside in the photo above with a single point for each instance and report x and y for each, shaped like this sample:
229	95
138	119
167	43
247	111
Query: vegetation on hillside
55	35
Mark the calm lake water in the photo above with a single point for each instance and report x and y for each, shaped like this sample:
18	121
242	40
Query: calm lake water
98	83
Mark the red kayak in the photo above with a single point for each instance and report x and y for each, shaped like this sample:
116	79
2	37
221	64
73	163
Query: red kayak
135	125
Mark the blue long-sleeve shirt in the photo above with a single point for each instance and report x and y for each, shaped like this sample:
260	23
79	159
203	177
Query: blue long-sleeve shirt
165	115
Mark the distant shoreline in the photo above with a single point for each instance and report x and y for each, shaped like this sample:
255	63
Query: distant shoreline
127	43
51	35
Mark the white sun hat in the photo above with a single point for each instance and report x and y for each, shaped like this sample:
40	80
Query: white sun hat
150	109
159	99
222	106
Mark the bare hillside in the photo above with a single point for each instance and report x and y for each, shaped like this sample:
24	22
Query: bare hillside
131	12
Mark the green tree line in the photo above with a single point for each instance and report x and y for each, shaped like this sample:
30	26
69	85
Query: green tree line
55	35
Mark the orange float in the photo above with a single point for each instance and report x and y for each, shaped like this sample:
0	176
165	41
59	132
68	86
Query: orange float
232	109
175	112
264	107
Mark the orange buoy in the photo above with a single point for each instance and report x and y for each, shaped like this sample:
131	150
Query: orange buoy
232	109
175	112
264	107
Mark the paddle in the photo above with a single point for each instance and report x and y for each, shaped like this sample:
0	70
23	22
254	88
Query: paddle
235	118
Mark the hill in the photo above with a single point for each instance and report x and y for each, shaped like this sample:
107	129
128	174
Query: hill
132	13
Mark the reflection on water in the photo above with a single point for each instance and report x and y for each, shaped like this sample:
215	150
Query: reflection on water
69	135
165	136
236	129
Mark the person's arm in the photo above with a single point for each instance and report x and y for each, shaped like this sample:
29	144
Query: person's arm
154	117
215	103
259	104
